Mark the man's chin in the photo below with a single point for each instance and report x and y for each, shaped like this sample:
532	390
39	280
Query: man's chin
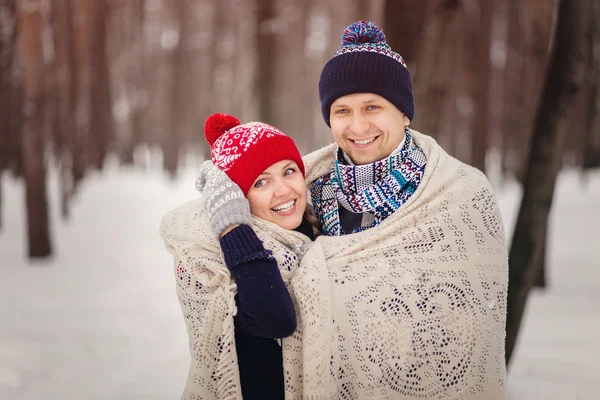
364	159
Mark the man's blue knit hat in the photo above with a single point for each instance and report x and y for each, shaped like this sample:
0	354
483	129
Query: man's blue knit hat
365	63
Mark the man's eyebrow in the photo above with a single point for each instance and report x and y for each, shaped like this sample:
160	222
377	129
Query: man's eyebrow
370	100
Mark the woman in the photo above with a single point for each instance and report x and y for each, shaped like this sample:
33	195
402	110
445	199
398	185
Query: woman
255	170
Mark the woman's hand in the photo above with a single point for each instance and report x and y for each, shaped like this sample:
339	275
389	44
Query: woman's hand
226	204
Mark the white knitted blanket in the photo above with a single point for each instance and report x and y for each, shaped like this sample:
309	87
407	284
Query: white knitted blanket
206	294
411	309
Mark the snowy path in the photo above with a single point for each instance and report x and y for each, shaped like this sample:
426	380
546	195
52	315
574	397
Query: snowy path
101	320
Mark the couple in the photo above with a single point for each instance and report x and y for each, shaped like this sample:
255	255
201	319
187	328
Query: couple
391	286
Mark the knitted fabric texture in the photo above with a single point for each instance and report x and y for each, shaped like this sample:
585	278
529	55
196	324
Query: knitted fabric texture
244	151
379	188
225	201
206	293
365	63
414	308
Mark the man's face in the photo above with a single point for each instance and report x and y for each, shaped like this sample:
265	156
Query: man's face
366	126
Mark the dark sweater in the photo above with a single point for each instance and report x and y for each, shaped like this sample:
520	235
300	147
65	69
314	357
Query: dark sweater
265	312
349	220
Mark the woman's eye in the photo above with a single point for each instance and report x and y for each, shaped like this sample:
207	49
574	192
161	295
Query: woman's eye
289	171
259	183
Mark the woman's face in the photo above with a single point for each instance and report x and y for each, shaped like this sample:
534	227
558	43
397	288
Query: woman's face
278	195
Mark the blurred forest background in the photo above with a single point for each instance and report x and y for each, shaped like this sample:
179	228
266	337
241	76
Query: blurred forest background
510	81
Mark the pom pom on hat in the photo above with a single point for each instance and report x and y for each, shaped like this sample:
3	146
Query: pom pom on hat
362	32
217	124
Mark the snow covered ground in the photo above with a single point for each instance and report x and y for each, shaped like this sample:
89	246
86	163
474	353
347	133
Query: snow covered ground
101	320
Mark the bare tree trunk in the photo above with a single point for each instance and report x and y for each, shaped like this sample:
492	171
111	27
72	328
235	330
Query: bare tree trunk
363	10
265	39
223	62
540	280
1	204
432	81
8	138
7	56
540	22
513	133
529	34
159	17
101	118
403	26
564	79
10	90
141	92
81	72
209	64
31	54
172	142
591	142
292	98
65	92
245	61
132	50
285	97
478	19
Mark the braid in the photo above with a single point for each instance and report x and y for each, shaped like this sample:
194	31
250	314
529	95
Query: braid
310	217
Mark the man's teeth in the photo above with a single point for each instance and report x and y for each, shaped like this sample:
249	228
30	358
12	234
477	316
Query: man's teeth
366	141
285	207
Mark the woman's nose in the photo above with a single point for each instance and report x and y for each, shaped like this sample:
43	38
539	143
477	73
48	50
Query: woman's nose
282	188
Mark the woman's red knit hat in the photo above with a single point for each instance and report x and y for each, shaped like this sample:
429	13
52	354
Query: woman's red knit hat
244	151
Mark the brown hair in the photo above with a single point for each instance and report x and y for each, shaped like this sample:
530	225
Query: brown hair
308	214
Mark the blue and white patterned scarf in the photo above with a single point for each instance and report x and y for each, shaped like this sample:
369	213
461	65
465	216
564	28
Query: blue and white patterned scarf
379	188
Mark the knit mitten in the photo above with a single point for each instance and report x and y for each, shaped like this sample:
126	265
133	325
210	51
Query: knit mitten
224	200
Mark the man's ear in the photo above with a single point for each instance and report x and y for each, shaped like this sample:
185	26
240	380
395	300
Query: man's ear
406	120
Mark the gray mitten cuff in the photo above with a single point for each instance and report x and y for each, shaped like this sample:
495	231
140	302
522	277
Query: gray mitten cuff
224	200
230	211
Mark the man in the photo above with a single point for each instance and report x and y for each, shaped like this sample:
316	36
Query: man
366	99
412	265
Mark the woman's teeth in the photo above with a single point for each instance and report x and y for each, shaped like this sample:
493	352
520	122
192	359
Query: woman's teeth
285	207
366	141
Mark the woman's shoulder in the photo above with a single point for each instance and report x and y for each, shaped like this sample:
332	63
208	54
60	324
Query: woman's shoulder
189	208
188	218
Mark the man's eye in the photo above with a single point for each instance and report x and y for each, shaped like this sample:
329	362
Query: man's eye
371	108
341	111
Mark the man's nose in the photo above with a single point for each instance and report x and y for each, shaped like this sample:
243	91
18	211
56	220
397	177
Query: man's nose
359	123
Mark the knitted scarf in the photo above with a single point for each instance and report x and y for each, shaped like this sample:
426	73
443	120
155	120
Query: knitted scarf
379	188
